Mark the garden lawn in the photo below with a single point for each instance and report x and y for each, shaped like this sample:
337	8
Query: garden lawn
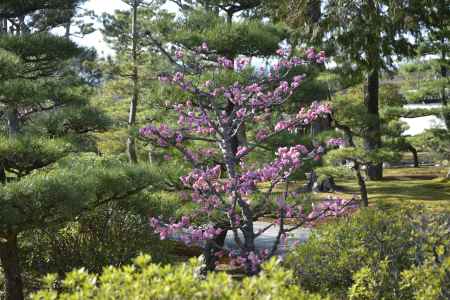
404	186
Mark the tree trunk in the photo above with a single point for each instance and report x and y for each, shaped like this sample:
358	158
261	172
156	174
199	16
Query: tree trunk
2	175
9	258
362	186
229	18
446	114
209	253
240	139
372	140
67	28
414	153
131	143
235	139
13	122
3	26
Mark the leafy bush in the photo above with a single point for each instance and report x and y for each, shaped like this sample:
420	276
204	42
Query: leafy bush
363	256
146	280
109	236
430	281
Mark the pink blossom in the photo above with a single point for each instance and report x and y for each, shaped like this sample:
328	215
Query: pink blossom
335	142
282	125
241	113
179	77
262	134
226	63
241	150
179	54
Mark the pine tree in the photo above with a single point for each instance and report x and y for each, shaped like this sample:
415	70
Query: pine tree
363	35
46	116
135	62
435	41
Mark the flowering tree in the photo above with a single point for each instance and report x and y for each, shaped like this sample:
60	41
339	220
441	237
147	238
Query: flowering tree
226	188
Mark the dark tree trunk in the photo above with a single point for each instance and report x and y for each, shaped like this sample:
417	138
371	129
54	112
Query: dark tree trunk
348	137
13	122
131	143
9	257
229	18
2	174
414	154
67	28
235	139
209	253
3	25
362	186
446	114
372	139
313	184
319	126
314	11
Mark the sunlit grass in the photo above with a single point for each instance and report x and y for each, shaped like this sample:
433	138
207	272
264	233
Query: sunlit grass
404	186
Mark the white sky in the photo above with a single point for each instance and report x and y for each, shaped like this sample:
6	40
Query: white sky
105	6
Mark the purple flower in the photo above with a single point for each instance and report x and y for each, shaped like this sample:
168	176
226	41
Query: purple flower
335	142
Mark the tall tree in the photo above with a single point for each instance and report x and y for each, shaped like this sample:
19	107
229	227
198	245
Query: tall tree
127	33
46	116
436	31
365	35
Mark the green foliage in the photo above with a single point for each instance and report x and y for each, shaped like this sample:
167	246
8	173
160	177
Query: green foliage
434	141
25	154
76	121
47	49
363	256
111	235
429	281
373	283
334	171
146	280
422	79
8	63
61	194
250	38
360	155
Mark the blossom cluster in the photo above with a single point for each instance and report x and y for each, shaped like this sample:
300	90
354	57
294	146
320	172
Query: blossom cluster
253	259
193	119
162	134
335	142
186	232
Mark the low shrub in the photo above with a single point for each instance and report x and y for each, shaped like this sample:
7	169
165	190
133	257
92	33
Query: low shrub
146	280
430	281
363	256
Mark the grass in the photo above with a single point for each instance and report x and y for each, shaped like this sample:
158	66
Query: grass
404	186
